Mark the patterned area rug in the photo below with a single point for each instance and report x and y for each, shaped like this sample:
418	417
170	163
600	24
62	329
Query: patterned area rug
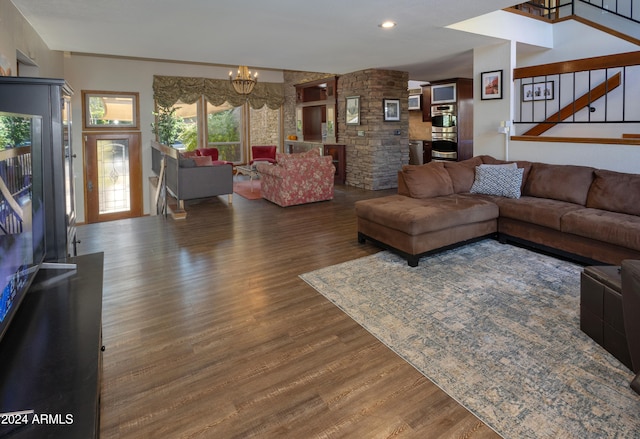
497	328
248	189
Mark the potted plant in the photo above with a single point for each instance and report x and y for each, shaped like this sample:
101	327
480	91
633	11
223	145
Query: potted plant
168	127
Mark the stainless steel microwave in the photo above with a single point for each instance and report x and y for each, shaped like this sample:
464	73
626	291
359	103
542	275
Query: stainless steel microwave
443	93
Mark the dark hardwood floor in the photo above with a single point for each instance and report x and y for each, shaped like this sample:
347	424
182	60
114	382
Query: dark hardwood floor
210	333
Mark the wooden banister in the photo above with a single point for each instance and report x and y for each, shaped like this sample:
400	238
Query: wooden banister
583	101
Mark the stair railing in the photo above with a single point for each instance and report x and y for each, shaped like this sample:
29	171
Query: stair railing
621	8
553	10
593	90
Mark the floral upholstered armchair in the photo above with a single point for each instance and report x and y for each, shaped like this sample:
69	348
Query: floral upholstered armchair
297	178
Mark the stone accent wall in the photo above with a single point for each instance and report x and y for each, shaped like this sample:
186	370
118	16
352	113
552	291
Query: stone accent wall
265	126
375	151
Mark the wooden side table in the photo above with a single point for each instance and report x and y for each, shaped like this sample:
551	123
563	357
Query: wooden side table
337	152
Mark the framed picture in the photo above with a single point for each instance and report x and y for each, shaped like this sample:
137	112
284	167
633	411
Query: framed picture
491	83
415	102
110	110
353	110
538	91
391	109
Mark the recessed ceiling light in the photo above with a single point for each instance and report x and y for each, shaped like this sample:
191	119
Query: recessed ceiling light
387	24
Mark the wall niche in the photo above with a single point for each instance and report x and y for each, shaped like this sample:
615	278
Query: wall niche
316	110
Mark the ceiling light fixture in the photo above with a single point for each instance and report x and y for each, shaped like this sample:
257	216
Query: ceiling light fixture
388	24
243	83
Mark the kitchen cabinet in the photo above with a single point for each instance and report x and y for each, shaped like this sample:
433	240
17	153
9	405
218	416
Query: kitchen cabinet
426	103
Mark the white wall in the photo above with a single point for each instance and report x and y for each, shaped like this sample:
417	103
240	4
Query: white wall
85	72
572	40
488	114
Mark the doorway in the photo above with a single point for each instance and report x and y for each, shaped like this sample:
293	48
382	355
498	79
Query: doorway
113	176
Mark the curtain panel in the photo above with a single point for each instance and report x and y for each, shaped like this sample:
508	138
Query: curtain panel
167	90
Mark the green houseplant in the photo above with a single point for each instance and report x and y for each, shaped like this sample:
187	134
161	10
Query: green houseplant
168	126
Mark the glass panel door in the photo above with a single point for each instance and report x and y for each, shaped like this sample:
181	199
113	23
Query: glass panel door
113	176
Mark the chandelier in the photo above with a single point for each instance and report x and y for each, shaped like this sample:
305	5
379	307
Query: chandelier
243	82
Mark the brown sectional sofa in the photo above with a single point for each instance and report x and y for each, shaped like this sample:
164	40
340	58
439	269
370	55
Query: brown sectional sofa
587	214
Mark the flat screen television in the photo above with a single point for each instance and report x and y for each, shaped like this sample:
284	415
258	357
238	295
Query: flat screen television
22	238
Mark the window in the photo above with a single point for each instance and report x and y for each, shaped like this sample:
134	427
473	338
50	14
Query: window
110	110
188	130
224	128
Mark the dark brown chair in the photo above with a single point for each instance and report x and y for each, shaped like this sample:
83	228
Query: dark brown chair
630	273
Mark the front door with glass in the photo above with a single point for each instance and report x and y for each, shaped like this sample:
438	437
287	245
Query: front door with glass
113	176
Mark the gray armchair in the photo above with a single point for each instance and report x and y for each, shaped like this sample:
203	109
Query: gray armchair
630	272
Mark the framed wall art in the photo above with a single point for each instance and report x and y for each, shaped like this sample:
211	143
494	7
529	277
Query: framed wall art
391	110
353	110
491	83
538	91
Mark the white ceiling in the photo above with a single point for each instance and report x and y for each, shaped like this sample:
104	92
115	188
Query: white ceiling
333	36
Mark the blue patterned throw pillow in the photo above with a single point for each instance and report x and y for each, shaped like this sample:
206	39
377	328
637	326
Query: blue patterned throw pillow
501	181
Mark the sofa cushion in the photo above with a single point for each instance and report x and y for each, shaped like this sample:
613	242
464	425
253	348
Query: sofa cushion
415	216
203	160
540	211
462	173
313	152
502	180
615	191
509	165
426	181
208	152
612	227
187	162
559	182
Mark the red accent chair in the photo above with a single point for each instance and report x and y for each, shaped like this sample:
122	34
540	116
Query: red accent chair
213	153
263	154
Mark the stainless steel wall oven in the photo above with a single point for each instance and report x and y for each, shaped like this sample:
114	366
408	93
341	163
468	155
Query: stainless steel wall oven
444	132
443	119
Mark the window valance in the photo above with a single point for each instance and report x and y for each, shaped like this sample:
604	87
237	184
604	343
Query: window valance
167	90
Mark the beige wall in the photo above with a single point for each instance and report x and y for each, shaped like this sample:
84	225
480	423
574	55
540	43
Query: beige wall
16	34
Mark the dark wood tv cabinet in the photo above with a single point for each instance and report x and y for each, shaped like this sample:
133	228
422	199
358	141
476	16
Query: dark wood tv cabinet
51	356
